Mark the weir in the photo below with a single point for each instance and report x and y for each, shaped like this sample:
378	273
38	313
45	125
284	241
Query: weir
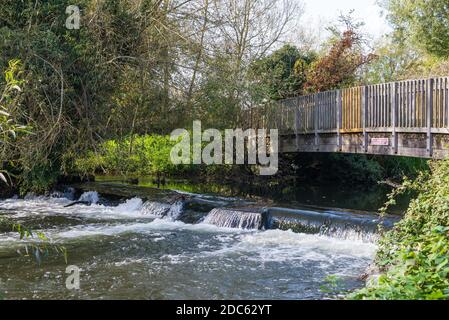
229	218
343	225
332	223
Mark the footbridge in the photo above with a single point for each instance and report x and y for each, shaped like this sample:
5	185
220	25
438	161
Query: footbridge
405	118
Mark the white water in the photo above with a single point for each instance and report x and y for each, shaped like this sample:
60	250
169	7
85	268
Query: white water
233	219
51	206
286	247
177	259
91	197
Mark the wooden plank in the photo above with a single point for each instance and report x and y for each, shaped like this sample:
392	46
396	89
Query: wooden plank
339	118
364	112
429	108
394	88
413	105
400	109
315	116
382	105
370	122
297	122
445	104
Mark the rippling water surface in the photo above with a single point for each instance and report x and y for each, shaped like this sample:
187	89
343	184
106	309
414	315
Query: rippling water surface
130	251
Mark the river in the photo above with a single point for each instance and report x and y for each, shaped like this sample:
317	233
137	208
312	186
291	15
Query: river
139	242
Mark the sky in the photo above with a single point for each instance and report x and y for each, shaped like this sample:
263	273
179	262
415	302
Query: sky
319	12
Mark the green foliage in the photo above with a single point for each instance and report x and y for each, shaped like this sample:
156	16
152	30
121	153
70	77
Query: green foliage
9	100
81	84
282	73
424	22
42	247
355	168
414	255
35	243
333	284
395	61
38	178
399	167
10	128
150	155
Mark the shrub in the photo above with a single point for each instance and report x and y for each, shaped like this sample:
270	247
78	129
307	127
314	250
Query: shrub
150	154
415	254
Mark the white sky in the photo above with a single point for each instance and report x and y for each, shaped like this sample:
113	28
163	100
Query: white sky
319	13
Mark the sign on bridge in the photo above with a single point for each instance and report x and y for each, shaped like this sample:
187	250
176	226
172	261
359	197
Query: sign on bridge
380	141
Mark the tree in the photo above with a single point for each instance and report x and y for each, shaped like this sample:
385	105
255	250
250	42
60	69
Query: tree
10	98
110	78
134	67
394	62
338	68
282	73
424	22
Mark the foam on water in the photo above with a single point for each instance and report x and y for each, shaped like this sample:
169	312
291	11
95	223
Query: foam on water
175	210
95	230
277	246
90	196
155	208
129	207
50	206
291	240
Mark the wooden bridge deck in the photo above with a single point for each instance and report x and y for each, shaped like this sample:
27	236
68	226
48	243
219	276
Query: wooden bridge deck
407	118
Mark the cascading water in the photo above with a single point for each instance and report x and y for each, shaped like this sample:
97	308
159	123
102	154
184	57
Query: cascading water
149	242
90	196
170	211
155	208
227	218
342	225
175	210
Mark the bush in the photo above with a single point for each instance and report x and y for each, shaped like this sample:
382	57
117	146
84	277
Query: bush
415	254
150	154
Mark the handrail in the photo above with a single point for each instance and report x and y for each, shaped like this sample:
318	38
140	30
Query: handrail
408	105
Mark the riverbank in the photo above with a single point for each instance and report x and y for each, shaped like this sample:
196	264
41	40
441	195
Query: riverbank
413	257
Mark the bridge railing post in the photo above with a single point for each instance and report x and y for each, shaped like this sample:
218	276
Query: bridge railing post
339	120
394	116
429	114
364	117
297	122
316	115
